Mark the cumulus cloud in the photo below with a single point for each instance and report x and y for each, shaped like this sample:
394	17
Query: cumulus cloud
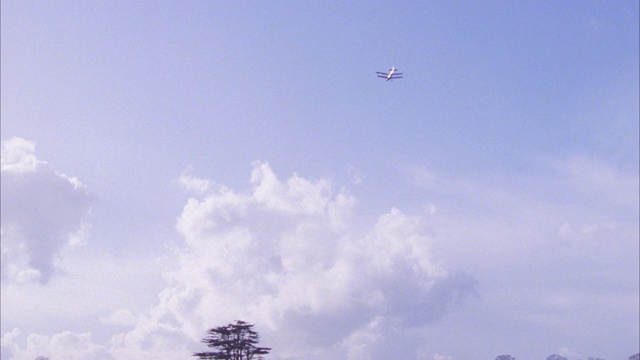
65	345
193	183
285	255
42	211
120	317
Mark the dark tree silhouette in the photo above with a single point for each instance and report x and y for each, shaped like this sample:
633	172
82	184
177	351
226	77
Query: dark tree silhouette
233	342
505	357
556	357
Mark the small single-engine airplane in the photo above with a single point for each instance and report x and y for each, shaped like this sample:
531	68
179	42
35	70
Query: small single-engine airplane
392	74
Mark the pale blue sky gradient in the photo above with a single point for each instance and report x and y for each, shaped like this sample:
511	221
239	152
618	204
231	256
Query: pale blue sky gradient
513	135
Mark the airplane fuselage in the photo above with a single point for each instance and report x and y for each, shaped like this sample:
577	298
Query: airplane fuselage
393	69
392	74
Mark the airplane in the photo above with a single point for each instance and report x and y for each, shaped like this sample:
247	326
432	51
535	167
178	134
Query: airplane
392	74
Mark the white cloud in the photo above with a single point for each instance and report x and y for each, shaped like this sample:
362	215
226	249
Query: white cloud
360	343
441	357
8	343
120	317
283	256
356	177
421	176
42	210
602	181
18	156
65	345
584	232
193	183
547	246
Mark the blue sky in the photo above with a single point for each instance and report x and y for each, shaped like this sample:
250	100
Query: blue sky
156	154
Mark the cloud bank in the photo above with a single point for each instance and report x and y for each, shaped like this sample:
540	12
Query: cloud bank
42	211
65	345
294	257
284	255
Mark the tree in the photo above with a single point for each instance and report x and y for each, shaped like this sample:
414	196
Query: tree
505	357
556	357
233	342
635	357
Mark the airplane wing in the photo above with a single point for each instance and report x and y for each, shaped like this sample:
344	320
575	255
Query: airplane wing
389	75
